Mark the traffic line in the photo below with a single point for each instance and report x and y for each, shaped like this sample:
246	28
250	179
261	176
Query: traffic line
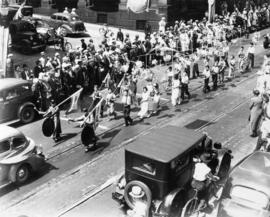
102	187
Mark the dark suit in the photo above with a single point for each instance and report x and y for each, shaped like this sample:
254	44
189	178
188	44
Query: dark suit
255	113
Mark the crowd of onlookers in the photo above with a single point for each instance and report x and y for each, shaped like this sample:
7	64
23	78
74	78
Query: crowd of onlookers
190	49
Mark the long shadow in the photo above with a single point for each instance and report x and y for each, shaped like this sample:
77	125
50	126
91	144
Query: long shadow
166	116
111	134
65	137
35	176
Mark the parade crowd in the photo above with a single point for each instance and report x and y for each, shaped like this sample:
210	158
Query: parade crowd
187	49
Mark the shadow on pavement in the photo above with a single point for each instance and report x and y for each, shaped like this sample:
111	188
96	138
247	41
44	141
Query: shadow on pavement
35	176
65	137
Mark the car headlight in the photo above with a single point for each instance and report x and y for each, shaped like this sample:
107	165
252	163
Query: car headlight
31	38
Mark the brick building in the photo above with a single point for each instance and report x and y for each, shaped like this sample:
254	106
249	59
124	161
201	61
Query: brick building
115	12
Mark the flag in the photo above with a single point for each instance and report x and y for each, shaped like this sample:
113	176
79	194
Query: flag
74	105
211	10
19	14
139	6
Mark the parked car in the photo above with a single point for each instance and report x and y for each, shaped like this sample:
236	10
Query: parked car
19	156
25	38
159	169
247	190
16	100
68	23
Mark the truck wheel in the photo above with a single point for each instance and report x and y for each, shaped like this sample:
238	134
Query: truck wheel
145	194
27	114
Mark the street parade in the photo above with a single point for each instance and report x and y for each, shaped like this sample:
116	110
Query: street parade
135	108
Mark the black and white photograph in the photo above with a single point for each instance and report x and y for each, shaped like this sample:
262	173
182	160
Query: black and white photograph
134	108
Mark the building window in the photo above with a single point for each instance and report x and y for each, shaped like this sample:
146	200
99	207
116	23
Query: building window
140	24
102	18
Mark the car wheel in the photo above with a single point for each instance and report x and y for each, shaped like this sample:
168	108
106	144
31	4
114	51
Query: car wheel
27	114
145	194
22	174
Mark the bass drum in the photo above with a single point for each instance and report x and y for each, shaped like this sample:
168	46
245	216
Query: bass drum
48	126
87	135
224	166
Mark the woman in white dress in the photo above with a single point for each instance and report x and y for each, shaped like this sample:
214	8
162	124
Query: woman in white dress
176	100
144	104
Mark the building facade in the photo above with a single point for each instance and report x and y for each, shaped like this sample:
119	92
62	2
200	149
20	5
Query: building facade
115	12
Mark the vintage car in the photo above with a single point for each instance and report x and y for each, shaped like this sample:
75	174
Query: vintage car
25	38
247	190
19	156
16	100
159	168
27	10
69	24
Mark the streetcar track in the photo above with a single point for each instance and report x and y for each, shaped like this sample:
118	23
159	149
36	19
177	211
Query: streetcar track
165	103
112	180
112	150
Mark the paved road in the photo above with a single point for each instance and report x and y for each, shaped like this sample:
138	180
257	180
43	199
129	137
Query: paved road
71	168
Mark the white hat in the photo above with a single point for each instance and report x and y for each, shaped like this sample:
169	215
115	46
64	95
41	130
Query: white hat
136	192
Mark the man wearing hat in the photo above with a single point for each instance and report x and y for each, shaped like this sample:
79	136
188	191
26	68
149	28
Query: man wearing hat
201	176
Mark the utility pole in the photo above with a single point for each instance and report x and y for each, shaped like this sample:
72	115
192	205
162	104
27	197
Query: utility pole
4	34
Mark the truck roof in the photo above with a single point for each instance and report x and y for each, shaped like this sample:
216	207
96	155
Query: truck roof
165	144
6	83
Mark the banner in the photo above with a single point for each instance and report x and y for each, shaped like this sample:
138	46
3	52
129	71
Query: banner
139	6
211	10
74	102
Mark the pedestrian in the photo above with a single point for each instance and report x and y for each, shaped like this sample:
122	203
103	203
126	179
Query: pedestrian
255	112
83	45
88	136
144	102
120	35
251	54
207	75
37	69
170	74
126	102
184	86
110	102
175	98
162	25
214	73
42	60
232	64
10	66
222	68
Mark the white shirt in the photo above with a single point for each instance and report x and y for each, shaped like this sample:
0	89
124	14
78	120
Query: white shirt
207	73
251	50
184	79
201	171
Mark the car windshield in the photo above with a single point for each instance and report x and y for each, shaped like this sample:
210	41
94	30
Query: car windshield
18	142
256	198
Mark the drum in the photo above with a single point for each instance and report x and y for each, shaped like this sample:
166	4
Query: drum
48	126
87	135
